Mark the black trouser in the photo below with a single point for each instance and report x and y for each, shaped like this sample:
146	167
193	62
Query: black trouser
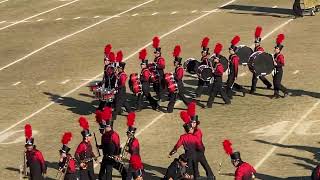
35	170
192	161
297	11
232	85
201	158
70	176
120	101
173	97
88	173
102	104
277	78
200	87
159	86
146	92
133	174
255	80
215	89
106	168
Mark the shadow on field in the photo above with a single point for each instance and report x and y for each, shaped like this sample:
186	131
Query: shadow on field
148	171
268	177
260	11
306	163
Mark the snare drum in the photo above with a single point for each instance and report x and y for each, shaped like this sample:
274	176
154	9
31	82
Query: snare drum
205	73
244	53
105	94
191	65
261	63
154	78
135	84
172	87
94	85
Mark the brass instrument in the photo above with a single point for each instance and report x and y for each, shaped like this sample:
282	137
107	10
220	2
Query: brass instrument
24	170
85	161
125	149
62	171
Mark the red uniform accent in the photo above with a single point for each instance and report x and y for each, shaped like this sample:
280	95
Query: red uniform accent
135	159
161	63
204	61
259	48
198	134
122	79
179	72
71	165
109	70
219	70
190	142
244	172
145	74
280	60
39	157
111	143
35	156
84	150
235	61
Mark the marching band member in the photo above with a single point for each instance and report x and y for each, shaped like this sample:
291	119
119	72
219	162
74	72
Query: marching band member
198	133
121	96
84	154
67	165
316	173
278	64
244	170
178	75
189	141
109	78
216	87
145	82
110	145
34	157
258	47
161	64
204	61
135	170
179	169
233	69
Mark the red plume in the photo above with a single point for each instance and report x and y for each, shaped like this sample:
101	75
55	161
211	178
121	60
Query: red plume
185	117
227	146
98	116
280	38
112	57
143	54
107	113
66	138
28	131
156	42
177	51
218	48
235	40
119	56
130	119
192	109
258	32
205	42
107	49
83	122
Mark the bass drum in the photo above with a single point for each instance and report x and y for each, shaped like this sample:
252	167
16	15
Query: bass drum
205	72
191	65
261	63
244	53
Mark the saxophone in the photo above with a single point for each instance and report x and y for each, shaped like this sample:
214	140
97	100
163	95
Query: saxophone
62	171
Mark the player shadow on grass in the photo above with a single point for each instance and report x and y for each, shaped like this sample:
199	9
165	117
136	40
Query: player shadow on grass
259	10
269	177
308	164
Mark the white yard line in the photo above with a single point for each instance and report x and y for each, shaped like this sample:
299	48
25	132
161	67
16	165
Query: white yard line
72	34
58	19
285	136
15	84
41	82
274	6
3	1
77	17
40	20
136	14
96	17
296	72
194	11
242	74
65	81
174	12
155	13
97	76
44	12
2	22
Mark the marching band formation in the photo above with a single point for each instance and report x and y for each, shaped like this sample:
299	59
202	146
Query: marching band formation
111	92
